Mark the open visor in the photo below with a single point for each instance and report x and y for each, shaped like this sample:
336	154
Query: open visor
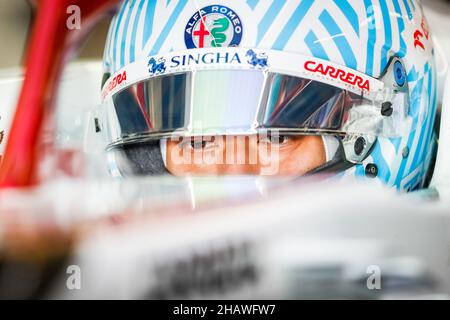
233	101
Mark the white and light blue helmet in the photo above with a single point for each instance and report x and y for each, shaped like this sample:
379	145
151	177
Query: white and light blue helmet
350	43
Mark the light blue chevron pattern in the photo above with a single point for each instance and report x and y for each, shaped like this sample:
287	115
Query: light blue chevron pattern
361	34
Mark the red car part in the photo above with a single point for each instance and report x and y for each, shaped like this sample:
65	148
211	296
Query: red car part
52	44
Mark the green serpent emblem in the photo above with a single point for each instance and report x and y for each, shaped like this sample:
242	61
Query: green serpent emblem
218	32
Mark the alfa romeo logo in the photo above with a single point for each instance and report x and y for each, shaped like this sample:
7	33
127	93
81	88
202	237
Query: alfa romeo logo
213	26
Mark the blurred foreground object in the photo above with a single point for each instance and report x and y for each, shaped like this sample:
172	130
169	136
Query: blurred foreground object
50	46
200	238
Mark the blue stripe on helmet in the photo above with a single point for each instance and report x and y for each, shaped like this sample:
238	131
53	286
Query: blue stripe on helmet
134	31
292	24
396	143
125	33
360	170
413	75
408	9
425	135
339	39
372	37
401	27
426	68
116	34
401	170
349	13
252	3
387	35
415	99
168	27
269	17
149	17
315	47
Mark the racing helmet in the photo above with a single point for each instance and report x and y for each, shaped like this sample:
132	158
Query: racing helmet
362	72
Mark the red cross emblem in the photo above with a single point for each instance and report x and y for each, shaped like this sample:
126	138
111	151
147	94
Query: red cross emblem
201	33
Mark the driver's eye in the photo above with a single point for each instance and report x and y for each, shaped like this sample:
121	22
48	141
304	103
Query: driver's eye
197	144
275	139
279	139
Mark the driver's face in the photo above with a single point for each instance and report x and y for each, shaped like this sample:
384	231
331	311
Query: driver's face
244	155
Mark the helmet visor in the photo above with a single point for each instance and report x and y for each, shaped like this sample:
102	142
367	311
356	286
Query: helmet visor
222	101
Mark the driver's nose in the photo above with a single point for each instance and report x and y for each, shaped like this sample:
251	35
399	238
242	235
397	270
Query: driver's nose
239	155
